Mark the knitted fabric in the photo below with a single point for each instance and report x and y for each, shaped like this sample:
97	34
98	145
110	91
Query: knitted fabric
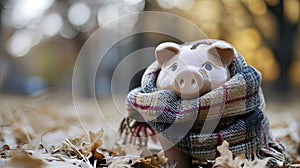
236	108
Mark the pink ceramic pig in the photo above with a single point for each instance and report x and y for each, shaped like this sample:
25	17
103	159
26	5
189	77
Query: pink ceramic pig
193	70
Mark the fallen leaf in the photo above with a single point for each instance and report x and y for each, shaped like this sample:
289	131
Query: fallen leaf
20	158
121	162
256	163
160	159
146	161
225	160
95	139
95	142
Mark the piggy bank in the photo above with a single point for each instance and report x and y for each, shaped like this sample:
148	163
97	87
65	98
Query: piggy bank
191	70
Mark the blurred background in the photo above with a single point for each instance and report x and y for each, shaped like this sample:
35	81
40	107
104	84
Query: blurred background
40	39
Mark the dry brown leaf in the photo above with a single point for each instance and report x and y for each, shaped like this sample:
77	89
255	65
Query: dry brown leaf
95	139
91	148
20	158
97	159
95	142
256	163
160	159
120	162
132	159
70	149
98	155
225	160
76	141
147	161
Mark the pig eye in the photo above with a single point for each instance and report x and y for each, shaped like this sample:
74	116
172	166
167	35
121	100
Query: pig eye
174	67
208	66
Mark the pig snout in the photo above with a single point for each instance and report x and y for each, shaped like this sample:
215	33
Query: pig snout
190	83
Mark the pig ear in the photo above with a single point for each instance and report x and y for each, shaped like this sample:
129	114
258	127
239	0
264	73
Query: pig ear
224	50
165	51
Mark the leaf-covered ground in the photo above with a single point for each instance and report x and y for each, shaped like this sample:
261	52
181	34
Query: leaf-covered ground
47	132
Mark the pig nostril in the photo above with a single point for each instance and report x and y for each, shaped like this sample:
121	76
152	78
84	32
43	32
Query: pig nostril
193	83
181	83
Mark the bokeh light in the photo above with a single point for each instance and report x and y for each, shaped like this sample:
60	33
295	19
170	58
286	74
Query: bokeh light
166	4
51	24
179	4
184	4
265	62
204	13
245	39
133	2
257	7
267	25
20	43
108	13
24	11
67	31
291	10
79	14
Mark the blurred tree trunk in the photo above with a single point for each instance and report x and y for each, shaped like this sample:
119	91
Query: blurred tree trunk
283	49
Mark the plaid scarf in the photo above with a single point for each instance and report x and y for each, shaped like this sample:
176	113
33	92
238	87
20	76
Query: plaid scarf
231	112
